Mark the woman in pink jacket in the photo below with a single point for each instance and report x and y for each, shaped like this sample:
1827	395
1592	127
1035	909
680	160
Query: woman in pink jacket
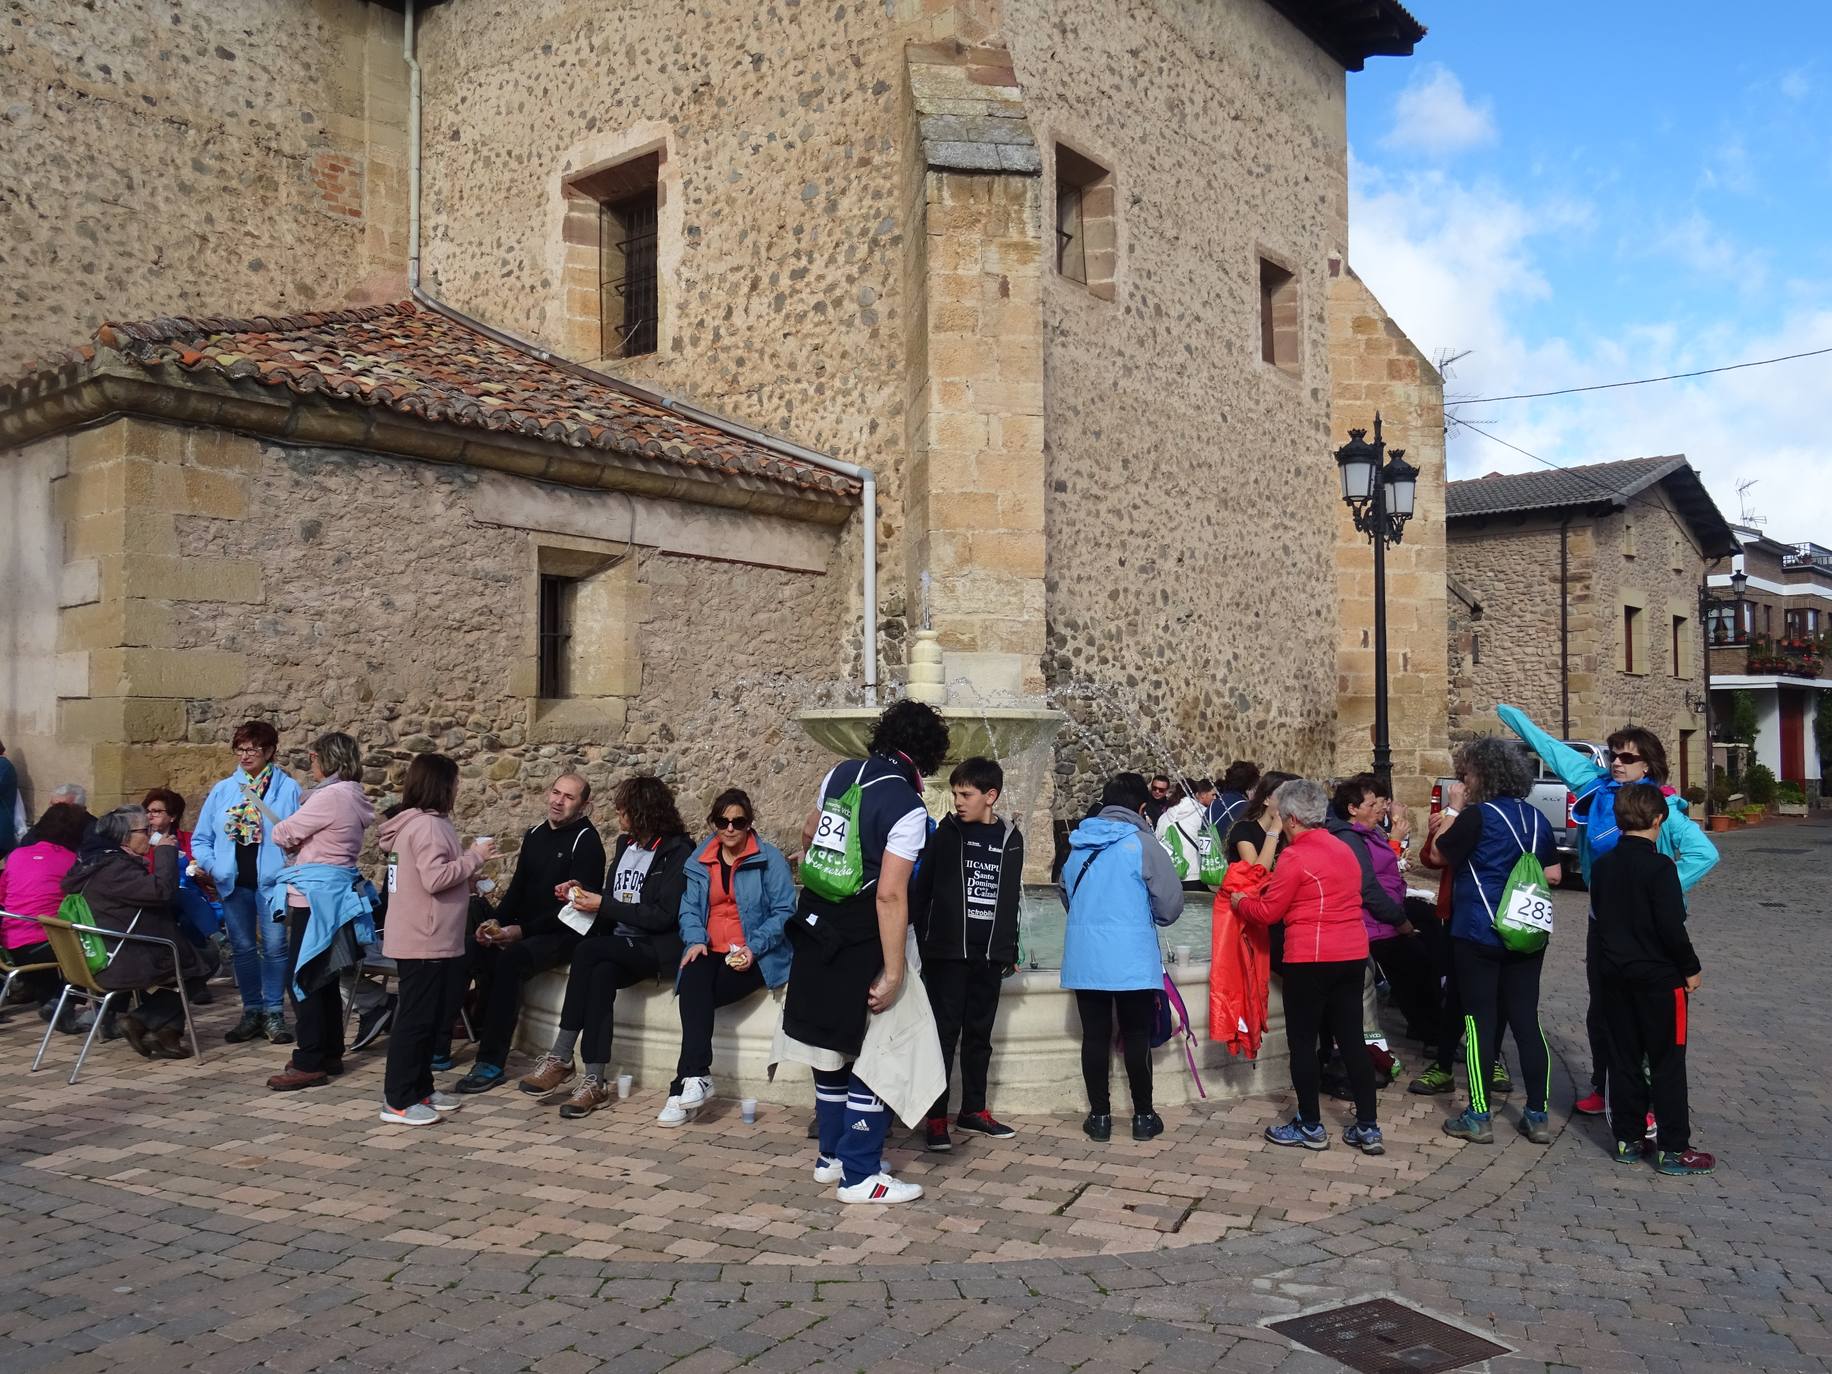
1316	892
429	888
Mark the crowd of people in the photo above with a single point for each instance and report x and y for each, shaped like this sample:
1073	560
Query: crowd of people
1311	886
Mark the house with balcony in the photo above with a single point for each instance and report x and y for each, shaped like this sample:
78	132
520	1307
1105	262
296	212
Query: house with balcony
1769	631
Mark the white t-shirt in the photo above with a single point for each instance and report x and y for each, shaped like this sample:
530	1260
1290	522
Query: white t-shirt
627	881
908	835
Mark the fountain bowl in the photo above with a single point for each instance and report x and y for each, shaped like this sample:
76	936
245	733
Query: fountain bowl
995	731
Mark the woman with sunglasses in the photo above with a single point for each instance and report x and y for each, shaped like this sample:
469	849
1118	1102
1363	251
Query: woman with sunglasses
739	894
1636	755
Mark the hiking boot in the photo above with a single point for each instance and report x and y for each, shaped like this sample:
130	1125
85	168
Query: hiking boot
1536	1127
1500	1084
138	1036
983	1123
1367	1139
1296	1134
291	1079
1474	1126
935	1136
1098	1127
591	1094
1433	1082
371	1023
549	1072
246	1029
169	1044
1683	1163
273	1026
1147	1126
442	1063
1594	1105
880	1188
481	1078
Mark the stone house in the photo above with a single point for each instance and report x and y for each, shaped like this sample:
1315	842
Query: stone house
1578	597
1773	643
1065	289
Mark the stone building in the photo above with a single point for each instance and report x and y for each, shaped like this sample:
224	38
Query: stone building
1579	594
1773	644
1063	287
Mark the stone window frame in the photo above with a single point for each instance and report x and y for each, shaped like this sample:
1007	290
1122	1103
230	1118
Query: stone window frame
1632	643
1683	637
1278	284
585	174
595	711
1096	236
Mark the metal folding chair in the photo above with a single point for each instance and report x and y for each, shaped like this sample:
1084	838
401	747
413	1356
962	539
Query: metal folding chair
385	968
81	980
12	970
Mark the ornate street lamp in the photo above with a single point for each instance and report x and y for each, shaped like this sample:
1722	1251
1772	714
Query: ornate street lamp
1739	583
1380	496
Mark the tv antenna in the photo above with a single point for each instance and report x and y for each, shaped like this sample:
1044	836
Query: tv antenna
1749	517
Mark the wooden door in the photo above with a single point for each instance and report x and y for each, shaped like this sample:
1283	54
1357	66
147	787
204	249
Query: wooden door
1793	735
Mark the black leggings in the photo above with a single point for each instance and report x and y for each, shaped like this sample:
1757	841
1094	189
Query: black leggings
1320	996
1136	1012
601	966
1498	988
705	985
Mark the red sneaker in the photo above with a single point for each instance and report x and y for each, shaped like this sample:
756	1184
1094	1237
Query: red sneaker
935	1136
1594	1105
1683	1163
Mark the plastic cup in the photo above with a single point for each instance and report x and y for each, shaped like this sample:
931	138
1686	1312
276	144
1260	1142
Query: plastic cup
747	1108
624	1083
1183	954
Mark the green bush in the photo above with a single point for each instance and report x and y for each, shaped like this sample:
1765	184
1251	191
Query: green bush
1759	784
1790	793
1740	723
1822	736
1720	790
1695	795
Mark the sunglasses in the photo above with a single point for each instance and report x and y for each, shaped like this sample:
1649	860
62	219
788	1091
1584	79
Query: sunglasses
1626	758
732	823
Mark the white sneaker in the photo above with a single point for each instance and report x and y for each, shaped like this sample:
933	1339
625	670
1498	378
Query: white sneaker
880	1188
443	1102
417	1115
673	1114
695	1093
827	1169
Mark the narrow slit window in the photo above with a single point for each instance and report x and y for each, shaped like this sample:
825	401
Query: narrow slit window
628	288
1087	229
1278	316
555	636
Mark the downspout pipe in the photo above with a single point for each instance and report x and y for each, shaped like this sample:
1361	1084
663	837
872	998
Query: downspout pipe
1564	627
867	479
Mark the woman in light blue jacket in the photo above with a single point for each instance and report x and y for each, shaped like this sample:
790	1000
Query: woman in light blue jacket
233	847
1119	886
739	894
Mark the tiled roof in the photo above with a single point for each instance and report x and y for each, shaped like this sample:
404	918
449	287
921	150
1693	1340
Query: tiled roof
1593	484
422	363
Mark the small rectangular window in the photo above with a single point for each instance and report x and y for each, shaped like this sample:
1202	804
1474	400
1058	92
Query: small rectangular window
1632	651
1682	666
1278	316
627	201
555	636
1087	231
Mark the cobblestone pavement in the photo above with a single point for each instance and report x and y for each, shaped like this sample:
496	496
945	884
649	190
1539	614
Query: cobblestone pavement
165	1217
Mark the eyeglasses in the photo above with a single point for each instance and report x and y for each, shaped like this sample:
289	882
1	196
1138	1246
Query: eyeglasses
732	823
139	830
1626	758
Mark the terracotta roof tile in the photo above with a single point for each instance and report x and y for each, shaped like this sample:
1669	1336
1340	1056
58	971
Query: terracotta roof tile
422	363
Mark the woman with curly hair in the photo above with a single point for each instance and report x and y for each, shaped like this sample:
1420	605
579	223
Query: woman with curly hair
1484	828
636	936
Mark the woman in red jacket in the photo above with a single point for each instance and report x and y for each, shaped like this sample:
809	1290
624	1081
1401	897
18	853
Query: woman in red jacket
1316	892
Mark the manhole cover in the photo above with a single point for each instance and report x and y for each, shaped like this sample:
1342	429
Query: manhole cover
1381	1336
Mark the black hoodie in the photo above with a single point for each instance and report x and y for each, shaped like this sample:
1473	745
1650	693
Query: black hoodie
964	900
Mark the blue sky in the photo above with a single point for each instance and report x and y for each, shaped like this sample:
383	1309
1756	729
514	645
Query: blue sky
1581	194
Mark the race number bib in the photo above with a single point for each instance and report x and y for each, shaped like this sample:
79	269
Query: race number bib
394	864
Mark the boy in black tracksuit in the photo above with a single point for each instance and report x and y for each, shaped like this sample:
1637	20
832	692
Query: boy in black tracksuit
964	907
1646	971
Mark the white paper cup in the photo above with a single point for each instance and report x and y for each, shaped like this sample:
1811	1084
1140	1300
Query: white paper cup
747	1108
1183	954
485	839
624	1083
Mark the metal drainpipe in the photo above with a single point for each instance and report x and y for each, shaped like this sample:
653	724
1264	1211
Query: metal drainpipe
1564	629
867	479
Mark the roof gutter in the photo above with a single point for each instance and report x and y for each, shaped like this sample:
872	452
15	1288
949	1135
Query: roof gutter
868	481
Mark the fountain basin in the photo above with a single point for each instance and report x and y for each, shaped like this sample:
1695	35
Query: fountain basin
998	732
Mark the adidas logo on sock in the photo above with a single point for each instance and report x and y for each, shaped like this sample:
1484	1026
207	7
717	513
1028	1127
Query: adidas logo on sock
858	1126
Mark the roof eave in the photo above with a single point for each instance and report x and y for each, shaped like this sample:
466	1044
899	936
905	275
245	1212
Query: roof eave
110	386
1351	31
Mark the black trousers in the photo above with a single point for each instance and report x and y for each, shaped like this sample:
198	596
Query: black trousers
705	985
1448	1014
1596	1020
318	1019
601	966
1406	962
1501	988
500	971
965	999
1647	1021
427	993
1327	996
1135	1012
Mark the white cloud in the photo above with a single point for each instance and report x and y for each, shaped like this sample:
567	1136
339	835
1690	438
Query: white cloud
1431	116
1796	84
1728	168
1695	242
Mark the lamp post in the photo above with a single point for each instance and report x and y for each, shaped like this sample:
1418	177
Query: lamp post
1380	496
1739	583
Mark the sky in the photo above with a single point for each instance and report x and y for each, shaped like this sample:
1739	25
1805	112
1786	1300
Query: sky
1571	194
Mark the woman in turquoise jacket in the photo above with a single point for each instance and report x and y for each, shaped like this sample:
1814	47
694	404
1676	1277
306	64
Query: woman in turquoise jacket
1636	756
739	894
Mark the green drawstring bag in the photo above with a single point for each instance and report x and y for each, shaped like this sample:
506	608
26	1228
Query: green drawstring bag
1523	920
833	869
1180	857
1214	862
75	910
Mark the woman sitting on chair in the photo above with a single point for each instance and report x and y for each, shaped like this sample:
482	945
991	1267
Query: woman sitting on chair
124	896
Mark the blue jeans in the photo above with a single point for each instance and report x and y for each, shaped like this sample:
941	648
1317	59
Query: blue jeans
257	944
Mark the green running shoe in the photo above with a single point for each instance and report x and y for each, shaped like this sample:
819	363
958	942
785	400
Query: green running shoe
1500	1085
1627	1152
1433	1082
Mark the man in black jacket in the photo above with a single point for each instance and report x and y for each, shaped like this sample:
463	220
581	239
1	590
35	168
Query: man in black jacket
1646	972
526	936
964	906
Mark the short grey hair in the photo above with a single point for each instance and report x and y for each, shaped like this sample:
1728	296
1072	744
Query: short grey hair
1493	767
339	756
1303	801
72	792
118	824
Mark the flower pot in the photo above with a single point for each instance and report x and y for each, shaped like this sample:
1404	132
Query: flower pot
1720	822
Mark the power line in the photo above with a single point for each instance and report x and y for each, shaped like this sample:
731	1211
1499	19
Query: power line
1642	381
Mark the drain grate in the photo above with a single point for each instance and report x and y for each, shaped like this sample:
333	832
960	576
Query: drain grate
1381	1336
